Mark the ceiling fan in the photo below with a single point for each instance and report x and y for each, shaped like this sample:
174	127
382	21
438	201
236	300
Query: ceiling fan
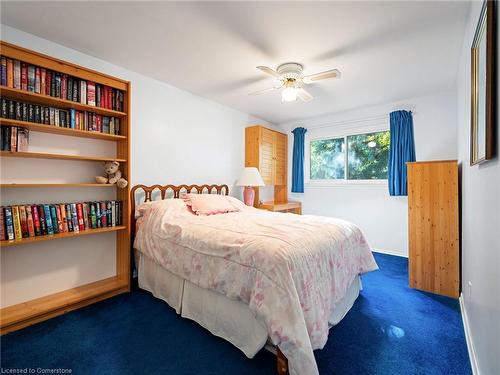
292	81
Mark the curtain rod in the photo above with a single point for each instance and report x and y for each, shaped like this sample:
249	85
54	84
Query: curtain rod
353	121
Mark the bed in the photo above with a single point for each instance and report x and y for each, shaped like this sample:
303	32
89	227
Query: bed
255	278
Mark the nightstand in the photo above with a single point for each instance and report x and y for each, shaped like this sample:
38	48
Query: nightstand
291	207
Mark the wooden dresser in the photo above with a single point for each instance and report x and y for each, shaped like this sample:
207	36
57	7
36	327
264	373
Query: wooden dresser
266	150
433	227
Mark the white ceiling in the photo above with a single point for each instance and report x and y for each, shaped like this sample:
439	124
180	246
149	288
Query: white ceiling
386	51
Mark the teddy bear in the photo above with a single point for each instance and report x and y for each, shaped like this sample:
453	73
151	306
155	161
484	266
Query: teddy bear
114	175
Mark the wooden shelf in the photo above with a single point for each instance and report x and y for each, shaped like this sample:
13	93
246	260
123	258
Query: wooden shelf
57	236
43	155
62	131
31	312
13	185
39	99
45	307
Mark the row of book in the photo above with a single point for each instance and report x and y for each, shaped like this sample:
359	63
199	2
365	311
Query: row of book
13	138
81	120
24	221
23	76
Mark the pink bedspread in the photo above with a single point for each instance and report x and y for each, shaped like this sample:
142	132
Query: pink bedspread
289	269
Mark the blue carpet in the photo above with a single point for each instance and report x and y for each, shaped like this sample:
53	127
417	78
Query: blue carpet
391	329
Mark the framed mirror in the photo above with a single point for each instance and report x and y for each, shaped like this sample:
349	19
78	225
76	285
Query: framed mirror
482	137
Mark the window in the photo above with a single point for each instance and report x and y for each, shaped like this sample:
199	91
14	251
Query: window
353	157
328	159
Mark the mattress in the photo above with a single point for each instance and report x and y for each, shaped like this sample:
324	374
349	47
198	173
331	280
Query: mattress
229	319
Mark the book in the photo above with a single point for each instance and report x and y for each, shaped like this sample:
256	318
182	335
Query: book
19	111
64	86
104	213
17	223
46	119
5	108
37	80
60	226
53	217
25	111
105	124
38	112
43	81
69	218
57	92
23	136
98	214
9	223
52	116
24	222
13	139
12	109
110	98
113	214
52	84
36	220
48	82
69	90
2	225
98	89
3	71
6	139
79	216
76	91
63	217
91	93
17	74
48	219
93	215
43	222
31	78
29	219
10	73
72	118
31	113
85	208
83	92
74	217
118	213
24	76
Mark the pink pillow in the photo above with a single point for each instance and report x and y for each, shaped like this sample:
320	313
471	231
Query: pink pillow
209	204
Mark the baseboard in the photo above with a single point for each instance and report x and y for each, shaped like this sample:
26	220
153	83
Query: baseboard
388	252
468	337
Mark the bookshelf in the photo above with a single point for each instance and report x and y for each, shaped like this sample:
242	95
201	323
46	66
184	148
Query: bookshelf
29	312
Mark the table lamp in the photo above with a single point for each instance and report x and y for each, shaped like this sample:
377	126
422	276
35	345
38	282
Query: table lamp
249	177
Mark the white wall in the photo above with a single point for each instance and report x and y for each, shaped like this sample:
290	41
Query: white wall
480	224
177	137
382	218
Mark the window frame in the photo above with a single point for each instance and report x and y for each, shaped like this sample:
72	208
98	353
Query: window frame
340	133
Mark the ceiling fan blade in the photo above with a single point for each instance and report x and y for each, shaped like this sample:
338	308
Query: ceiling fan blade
304	95
265	90
334	73
270	71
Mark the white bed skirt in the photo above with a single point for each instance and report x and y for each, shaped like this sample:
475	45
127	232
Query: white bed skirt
230	319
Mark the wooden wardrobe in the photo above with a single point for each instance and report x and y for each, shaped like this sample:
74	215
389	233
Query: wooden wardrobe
266	150
433	231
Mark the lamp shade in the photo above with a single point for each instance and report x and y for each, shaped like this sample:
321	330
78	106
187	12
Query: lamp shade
250	176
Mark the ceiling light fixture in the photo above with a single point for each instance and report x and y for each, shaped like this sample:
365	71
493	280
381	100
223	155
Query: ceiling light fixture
289	94
372	144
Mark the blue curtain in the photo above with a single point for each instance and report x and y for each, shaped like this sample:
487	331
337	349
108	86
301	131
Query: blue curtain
401	150
298	160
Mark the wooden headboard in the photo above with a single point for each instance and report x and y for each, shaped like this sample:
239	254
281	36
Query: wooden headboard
143	193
